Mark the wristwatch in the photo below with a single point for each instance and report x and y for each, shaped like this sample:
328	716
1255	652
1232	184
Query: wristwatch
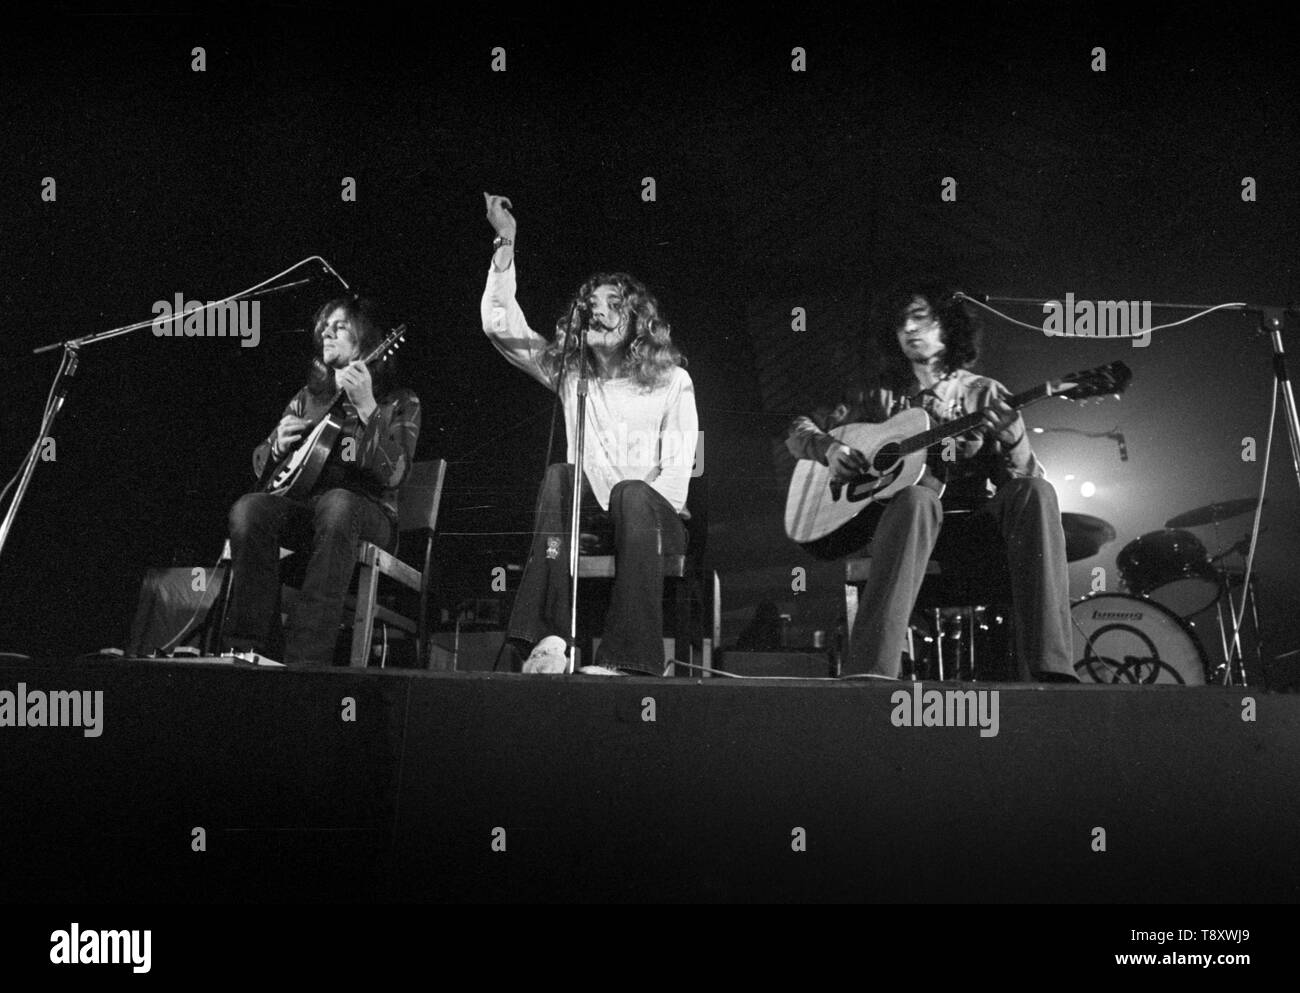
500	240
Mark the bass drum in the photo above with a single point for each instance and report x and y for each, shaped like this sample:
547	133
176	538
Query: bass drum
1127	639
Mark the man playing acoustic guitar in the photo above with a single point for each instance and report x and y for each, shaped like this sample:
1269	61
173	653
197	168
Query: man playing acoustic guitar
353	500
926	341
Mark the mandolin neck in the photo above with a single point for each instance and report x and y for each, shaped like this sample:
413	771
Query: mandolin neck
970	422
369	360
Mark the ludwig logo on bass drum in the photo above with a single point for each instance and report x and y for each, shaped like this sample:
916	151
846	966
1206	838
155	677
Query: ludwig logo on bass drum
1117	615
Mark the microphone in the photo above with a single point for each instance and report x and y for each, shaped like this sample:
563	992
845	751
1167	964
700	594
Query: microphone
330	269
584	309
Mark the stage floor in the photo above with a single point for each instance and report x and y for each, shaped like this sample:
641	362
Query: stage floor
202	781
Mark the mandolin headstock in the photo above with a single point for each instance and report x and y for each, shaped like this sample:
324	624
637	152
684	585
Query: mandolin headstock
388	346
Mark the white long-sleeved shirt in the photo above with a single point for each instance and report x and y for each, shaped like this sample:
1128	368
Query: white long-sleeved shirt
632	432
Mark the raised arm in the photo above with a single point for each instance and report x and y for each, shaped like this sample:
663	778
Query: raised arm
503	320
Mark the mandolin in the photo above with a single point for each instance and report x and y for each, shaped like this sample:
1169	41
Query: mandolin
296	473
824	516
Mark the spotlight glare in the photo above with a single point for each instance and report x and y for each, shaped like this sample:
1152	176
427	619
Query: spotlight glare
1087	489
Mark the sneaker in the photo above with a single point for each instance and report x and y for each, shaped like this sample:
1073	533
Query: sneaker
600	670
548	656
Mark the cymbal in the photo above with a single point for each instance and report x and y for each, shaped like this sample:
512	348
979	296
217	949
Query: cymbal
1084	535
1213	512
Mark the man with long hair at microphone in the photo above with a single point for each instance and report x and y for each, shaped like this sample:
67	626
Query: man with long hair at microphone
354	500
641	431
924	342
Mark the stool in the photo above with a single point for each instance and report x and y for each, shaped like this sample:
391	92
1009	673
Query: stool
947	585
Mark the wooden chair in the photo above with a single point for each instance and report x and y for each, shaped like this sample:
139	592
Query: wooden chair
417	513
693	584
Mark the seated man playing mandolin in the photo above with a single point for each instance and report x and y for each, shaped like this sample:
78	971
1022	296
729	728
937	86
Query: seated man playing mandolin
926	341
344	494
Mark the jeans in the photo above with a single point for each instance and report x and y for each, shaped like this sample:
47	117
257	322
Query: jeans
333	523
644	528
1026	516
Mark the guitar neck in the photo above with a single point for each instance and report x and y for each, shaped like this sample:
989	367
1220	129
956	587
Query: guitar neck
970	422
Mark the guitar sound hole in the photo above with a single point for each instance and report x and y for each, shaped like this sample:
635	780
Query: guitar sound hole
885	458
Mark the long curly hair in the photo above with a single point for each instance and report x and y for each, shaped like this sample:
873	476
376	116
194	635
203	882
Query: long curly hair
647	355
961	329
368	323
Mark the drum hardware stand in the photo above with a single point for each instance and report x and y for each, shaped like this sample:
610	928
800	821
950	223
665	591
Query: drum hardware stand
1234	654
938	642
962	625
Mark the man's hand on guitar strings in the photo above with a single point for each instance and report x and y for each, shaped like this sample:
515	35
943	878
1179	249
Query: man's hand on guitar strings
1001	419
354	379
845	463
287	433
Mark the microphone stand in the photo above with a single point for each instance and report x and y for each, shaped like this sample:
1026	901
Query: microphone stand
1271	322
63	381
68	368
575	524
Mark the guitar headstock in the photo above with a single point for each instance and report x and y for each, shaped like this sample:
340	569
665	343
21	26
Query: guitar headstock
389	345
1113	377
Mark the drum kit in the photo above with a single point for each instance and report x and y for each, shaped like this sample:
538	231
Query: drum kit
1151	632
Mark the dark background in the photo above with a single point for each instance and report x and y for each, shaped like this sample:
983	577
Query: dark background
775	189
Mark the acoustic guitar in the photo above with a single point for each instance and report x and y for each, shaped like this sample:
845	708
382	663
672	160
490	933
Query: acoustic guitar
825	517
296	473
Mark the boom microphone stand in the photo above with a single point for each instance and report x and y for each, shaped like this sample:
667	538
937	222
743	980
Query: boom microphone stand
1271	320
72	357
